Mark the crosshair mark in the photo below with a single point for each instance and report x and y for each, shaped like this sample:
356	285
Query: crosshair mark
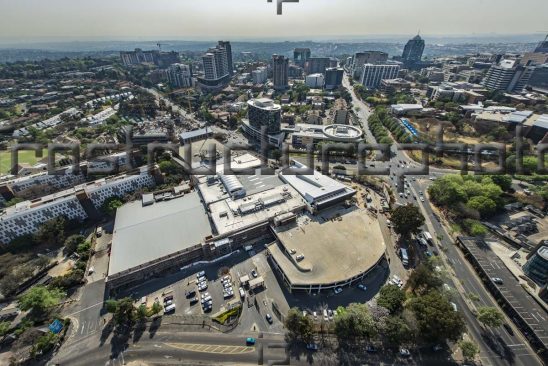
280	3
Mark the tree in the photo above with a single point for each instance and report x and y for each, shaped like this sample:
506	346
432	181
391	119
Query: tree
436	318
142	312
503	181
391	297
4	328
469	349
355	322
39	299
111	305
44	344
155	309
490	316
407	220
484	205
124	313
111	204
51	231
299	326
73	241
424	279
397	331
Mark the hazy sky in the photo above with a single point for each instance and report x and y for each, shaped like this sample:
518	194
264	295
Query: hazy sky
190	19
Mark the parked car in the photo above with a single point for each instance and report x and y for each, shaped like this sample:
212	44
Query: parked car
200	274
250	341
371	349
497	280
254	273
168	298
269	318
194	300
337	290
362	287
404	352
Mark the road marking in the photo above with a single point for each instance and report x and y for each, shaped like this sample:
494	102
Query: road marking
89	307
212	348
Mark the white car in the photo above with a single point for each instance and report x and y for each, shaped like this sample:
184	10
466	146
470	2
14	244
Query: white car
337	290
422	199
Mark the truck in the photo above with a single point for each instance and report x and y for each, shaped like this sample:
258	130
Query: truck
404	257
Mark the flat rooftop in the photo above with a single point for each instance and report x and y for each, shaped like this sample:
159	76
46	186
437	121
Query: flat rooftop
335	248
143	234
230	215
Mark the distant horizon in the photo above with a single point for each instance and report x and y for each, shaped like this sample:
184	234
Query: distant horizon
388	38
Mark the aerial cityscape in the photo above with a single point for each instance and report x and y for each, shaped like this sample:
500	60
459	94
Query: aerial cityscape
273	183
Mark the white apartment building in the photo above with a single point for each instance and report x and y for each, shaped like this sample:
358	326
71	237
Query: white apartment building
373	74
315	81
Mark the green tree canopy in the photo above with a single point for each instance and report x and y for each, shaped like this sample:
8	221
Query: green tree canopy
469	349
39	299
391	297
484	205
436	318
407	219
111	204
424	279
73	241
4	328
355	322
51	231
396	331
299	326
490	316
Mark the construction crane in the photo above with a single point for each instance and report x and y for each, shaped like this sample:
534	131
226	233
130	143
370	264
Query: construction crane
160	45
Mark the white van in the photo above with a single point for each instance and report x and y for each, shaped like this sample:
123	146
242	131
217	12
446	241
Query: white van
169	309
242	293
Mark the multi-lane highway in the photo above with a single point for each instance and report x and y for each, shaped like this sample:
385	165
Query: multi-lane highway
497	346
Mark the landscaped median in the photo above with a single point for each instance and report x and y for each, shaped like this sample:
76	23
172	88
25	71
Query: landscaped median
223	317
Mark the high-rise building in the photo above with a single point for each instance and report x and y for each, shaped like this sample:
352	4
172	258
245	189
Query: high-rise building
300	55
508	76
315	65
333	77
366	57
264	112
373	74
539	79
315	81
536	267
542	46
138	57
226	45
280	71
295	71
180	76
534	58
165	59
412	52
259	75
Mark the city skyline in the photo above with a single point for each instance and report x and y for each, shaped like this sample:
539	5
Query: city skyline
62	19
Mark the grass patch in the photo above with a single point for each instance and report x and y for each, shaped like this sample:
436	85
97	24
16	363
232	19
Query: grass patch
227	315
27	157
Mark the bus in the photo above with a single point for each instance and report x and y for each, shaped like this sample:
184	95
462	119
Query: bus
404	257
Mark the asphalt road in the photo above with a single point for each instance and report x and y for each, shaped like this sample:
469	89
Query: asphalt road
171	346
497	346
